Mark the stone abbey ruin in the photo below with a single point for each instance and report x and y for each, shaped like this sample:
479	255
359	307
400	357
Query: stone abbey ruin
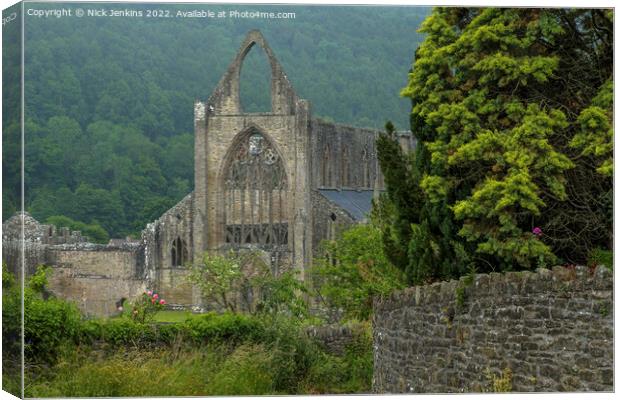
279	182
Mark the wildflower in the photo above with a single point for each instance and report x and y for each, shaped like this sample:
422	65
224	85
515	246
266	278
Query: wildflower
150	292
537	231
162	302
119	308
155	296
152	301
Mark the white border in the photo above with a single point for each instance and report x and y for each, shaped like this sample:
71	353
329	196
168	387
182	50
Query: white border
523	3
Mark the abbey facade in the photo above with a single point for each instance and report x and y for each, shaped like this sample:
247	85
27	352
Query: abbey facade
277	182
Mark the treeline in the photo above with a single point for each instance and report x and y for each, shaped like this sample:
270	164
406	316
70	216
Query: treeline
109	101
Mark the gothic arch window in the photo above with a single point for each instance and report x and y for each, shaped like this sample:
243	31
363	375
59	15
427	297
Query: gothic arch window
255	194
325	167
366	166
344	178
178	252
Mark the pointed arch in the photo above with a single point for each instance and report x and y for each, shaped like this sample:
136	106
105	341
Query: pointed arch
255	81
178	252
225	98
345	167
325	167
365	166
255	185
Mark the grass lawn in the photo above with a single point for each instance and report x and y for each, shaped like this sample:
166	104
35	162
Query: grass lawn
172	316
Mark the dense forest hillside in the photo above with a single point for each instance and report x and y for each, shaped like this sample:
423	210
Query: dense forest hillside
109	114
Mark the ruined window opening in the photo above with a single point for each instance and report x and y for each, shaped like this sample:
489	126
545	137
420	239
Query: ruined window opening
326	170
255	82
178	252
255	194
344	178
366	166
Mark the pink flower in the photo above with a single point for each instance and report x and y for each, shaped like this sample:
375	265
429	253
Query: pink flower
162	302
155	296
152	301
537	231
120	308
150	292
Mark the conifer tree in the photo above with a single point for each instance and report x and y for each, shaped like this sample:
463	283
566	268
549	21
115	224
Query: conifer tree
512	109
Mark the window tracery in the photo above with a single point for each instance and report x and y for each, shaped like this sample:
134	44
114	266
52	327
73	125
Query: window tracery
255	194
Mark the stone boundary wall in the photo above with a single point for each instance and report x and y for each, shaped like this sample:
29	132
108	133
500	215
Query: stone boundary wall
553	329
333	338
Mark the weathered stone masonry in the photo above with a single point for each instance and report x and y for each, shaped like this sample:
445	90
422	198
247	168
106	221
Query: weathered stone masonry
263	181
553	329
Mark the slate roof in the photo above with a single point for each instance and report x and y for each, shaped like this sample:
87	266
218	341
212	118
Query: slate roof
357	203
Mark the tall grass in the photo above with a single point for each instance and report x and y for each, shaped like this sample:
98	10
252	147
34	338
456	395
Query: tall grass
215	369
209	354
208	370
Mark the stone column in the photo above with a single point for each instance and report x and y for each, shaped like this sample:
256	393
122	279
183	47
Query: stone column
302	223
200	188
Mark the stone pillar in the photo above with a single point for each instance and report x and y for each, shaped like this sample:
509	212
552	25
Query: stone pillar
199	244
302	222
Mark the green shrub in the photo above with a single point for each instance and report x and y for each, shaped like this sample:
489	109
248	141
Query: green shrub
221	277
11	316
8	279
127	331
353	270
359	360
599	256
293	352
48	324
219	327
205	328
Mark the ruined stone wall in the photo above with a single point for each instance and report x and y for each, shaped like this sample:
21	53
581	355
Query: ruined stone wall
32	245
553	329
220	123
95	277
343	156
346	157
328	220
166	275
333	338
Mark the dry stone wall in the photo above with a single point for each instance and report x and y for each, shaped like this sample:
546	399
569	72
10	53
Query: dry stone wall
333	338
553	329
